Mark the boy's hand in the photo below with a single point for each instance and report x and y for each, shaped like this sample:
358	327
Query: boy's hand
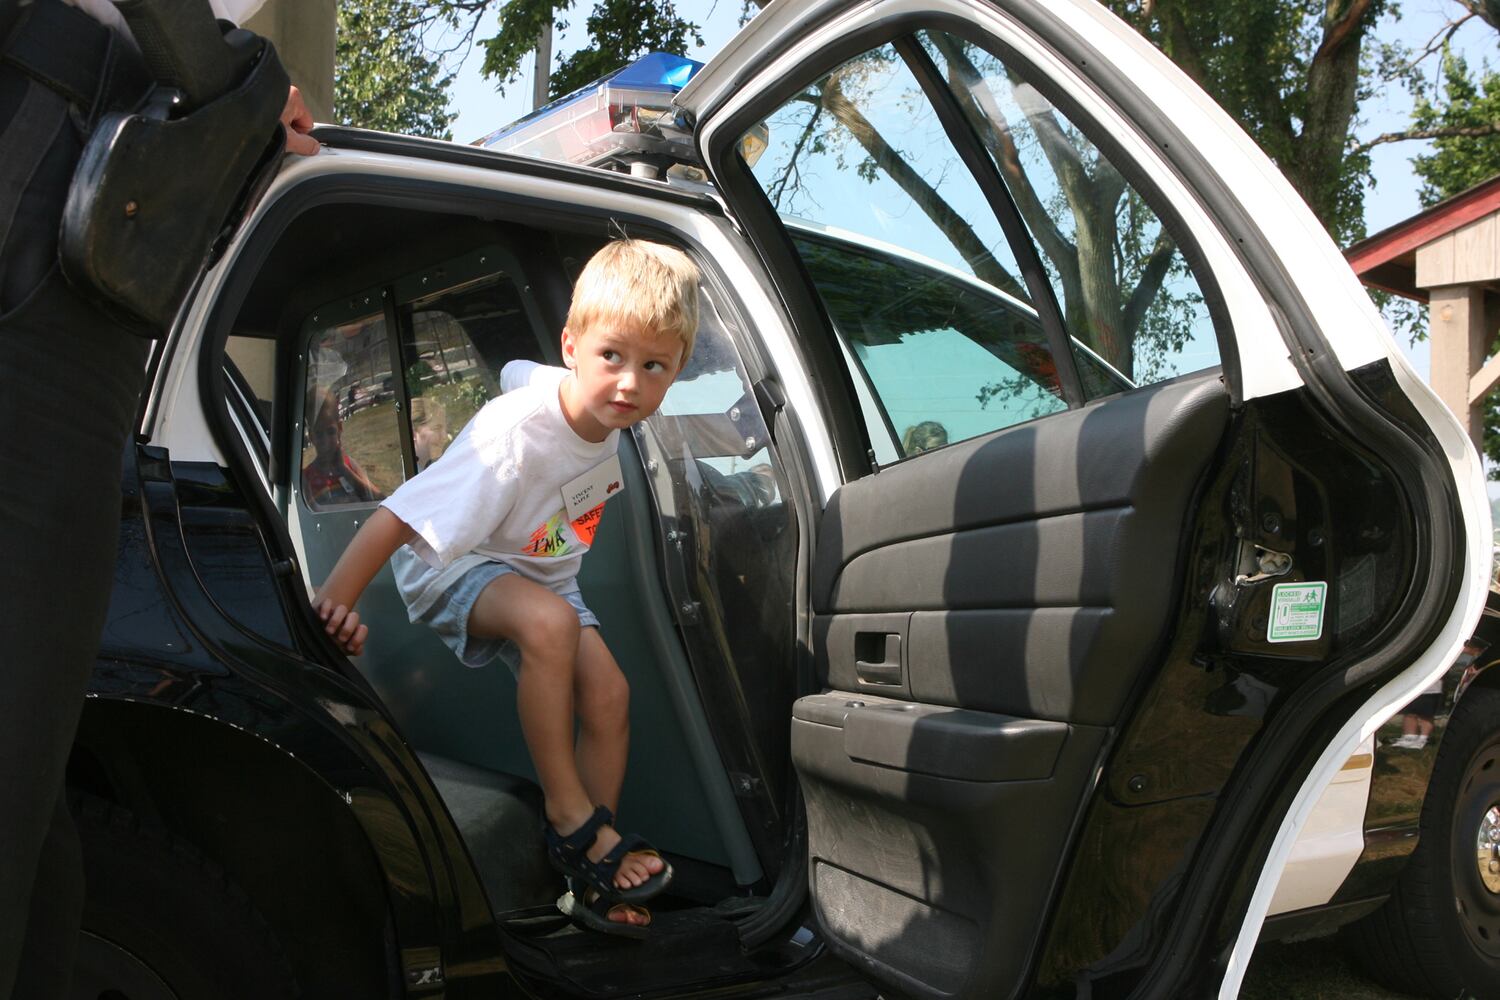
343	625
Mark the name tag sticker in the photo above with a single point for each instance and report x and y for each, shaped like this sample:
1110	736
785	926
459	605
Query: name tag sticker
1297	612
592	488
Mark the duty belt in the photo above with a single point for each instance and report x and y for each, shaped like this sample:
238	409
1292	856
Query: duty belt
73	55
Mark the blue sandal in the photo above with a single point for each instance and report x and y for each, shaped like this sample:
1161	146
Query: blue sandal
588	908
569	855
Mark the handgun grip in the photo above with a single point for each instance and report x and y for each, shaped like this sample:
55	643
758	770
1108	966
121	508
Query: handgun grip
184	48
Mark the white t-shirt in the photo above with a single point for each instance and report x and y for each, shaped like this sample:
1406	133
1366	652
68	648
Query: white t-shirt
104	10
496	493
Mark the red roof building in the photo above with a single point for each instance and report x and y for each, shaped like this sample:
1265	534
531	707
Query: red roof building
1449	257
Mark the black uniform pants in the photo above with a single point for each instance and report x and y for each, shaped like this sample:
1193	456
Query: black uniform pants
69	382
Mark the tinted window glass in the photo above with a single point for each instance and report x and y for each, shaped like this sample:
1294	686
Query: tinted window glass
447	376
255	360
949	357
891	225
1125	289
351	443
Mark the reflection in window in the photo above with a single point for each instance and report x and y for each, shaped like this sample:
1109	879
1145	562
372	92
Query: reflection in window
909	259
446	375
351	450
720	495
949	357
1122	283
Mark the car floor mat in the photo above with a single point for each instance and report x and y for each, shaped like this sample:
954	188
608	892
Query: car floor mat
685	947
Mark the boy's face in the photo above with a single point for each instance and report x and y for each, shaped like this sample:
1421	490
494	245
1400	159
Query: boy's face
327	433
620	377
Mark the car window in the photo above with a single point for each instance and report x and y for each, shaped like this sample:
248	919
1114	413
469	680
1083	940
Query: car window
710	412
254	362
250	394
1127	295
721	494
951	357
351	437
924	284
447	378
382	406
859	165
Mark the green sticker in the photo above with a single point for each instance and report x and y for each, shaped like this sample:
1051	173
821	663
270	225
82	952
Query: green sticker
1297	612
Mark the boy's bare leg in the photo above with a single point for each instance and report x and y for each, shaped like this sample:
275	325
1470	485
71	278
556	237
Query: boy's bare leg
601	700
546	629
601	697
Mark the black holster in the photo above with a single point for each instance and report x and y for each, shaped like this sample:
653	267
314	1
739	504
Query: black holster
157	193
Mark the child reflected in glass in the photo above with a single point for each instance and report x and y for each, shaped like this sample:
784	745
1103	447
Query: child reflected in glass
429	430
926	436
332	477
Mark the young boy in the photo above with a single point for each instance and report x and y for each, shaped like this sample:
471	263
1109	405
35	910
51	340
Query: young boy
332	477
490	538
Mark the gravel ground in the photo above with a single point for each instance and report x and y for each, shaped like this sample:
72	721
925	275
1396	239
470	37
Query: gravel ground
1309	970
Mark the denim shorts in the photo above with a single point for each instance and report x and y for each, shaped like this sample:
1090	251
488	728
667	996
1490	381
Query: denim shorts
448	616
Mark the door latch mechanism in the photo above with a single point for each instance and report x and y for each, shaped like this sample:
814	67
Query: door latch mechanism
1270	564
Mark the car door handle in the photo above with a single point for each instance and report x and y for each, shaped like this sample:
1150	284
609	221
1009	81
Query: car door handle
877	657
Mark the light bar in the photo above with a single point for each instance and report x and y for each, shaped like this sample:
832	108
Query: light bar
624	117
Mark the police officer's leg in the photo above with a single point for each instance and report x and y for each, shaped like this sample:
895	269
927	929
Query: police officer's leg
69	381
56	910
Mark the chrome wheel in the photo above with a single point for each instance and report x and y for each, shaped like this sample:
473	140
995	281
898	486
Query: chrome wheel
1487	850
1476	850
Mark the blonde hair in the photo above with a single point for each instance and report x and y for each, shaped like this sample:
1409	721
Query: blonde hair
426	411
638	285
927	435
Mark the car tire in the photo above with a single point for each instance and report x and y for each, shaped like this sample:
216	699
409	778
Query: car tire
162	922
1439	933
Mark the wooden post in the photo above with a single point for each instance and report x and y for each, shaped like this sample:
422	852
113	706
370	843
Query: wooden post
1456	327
1463	316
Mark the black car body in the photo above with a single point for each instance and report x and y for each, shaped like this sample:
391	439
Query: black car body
1029	714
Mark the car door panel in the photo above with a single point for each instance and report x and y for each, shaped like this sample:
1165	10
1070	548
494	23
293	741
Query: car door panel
1018	584
1034	563
935	835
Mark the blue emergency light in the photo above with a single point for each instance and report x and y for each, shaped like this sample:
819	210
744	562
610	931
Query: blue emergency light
625	117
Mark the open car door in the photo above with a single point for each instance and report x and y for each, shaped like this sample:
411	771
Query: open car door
1134	524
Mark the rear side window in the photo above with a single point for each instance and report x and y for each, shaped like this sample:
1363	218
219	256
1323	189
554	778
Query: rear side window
948	357
351	448
446	375
395	372
982	262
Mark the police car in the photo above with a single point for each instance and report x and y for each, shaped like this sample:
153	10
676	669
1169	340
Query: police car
1046	578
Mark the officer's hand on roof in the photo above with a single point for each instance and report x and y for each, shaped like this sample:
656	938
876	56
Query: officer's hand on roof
298	122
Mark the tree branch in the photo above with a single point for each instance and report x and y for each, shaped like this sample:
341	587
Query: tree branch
953	225
985	115
1146	287
1338	31
1487	10
777	187
1179	43
1445	132
1438	42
